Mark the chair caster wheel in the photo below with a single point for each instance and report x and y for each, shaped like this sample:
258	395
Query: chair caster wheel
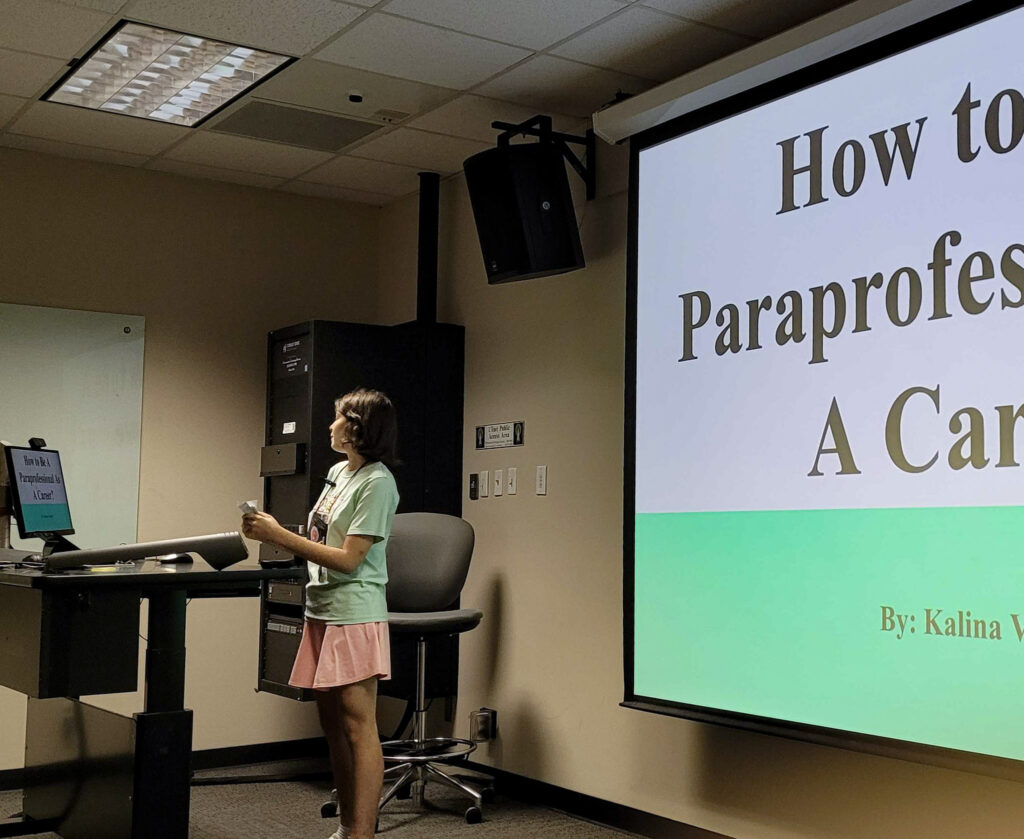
487	794
329	810
405	793
474	815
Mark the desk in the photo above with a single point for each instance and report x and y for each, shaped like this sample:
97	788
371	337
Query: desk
92	773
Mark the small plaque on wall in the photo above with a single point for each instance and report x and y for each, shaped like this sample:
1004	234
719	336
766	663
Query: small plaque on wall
500	435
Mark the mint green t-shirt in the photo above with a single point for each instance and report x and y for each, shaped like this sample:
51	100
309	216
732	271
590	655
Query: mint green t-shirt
361	503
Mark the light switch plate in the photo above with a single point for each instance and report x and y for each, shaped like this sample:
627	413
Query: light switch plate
499	479
510	486
485	483
542	480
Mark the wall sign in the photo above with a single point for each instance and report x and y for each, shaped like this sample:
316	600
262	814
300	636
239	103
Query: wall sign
500	435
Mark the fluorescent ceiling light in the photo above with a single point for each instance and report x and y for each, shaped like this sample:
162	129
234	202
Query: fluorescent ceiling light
163	75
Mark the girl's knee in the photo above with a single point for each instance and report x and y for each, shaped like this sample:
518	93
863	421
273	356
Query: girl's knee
357	727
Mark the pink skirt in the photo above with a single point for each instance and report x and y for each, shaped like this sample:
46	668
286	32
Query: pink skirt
332	655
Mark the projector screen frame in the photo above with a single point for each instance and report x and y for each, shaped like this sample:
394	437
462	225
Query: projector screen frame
940	25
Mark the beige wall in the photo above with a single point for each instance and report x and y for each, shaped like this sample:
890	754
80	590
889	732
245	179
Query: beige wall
212	267
547	571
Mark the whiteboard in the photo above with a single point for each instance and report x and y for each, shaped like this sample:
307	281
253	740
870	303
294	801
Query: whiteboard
75	379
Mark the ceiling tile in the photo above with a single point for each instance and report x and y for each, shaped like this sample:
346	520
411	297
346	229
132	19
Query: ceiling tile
650	44
409	147
555	84
242	153
49	28
22	74
326	86
9	106
19	141
108	6
757	18
410	50
471	116
288	26
528	23
95	128
337	193
366	175
195	170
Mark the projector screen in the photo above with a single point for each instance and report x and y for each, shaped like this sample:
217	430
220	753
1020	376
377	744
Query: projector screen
824	535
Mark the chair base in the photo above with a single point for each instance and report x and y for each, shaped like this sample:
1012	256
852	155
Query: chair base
413	777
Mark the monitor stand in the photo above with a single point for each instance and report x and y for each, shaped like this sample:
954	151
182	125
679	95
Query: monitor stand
55	543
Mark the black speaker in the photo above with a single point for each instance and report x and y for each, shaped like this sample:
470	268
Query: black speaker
523	212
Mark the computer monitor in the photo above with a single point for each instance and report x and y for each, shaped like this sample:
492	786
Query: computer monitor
38	495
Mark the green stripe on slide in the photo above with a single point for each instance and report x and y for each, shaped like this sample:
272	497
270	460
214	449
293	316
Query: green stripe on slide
793	615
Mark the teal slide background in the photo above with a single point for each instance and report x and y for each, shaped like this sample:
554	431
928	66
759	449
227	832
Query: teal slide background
46	517
779	614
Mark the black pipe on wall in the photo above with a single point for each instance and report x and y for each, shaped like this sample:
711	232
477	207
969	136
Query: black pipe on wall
426	270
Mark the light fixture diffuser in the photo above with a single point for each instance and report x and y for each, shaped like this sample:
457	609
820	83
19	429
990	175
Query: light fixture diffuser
163	75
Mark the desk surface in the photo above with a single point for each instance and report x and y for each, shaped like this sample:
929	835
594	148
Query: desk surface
197	577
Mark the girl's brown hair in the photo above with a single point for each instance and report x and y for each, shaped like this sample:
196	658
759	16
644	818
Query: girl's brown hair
372	424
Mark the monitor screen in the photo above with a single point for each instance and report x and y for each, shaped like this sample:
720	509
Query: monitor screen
38	492
824	410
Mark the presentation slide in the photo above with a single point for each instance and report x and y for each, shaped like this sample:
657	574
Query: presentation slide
40	485
829	415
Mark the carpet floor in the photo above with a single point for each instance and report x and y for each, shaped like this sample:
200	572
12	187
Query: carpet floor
253	809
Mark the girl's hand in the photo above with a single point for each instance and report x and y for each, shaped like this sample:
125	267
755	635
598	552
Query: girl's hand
262	527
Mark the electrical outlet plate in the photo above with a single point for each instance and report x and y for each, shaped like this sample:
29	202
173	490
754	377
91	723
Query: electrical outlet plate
510	485
483	725
499	480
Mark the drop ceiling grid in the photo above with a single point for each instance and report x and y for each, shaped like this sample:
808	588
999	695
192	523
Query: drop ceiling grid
325	86
26	74
533	24
441	153
9	106
294	27
470	116
75	151
364	174
412	50
754	18
69	124
650	44
47	28
225	151
179	167
514	69
109	6
336	193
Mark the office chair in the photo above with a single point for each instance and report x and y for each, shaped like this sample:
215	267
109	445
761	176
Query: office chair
428	560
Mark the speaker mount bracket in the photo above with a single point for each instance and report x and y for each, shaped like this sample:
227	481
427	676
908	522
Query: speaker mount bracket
540	127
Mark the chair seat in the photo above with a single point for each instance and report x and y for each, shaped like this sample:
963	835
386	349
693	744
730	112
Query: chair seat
434	623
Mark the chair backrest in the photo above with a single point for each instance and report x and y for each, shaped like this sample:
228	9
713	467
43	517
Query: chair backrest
428	560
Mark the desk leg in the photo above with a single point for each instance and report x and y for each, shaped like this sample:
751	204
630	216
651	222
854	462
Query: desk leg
165	654
163	757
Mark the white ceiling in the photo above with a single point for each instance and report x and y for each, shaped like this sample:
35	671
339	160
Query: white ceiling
433	75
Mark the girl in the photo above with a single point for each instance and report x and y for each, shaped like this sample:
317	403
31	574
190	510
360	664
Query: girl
345	647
